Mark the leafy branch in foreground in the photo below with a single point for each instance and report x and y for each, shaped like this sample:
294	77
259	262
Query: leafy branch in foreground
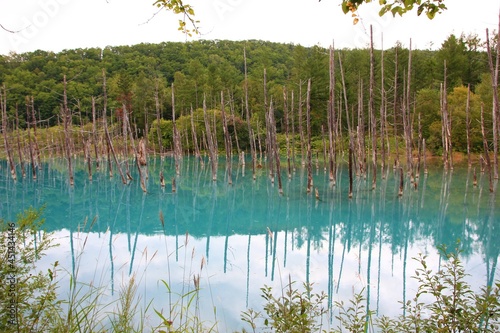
178	7
429	7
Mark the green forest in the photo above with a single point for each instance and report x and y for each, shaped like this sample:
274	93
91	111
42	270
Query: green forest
405	89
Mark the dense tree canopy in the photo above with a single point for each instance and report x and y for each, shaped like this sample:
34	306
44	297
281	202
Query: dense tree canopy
204	69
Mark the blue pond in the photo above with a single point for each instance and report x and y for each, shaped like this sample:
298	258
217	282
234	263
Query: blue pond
248	235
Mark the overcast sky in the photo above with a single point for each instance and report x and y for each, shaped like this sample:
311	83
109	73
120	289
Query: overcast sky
66	24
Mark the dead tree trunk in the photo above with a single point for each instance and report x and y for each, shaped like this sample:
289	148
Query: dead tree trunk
350	166
195	138
419	145
443	128
424	153
292	116
371	107
235	131
395	108
332	121
32	157
247	114
125	148
486	150
176	136
401	181
158	119
260	143
30	146
361	132
138	158
269	147
287	131
82	132
446	124
344	89
66	116
274	146
383	115
326	152
467	126
35	137
496	104
19	148
308	125
109	142
408	124
94	134
210	142
3	104
301	128
88	159
227	140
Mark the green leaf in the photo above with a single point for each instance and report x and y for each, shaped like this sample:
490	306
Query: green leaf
420	10
345	9
397	10
384	10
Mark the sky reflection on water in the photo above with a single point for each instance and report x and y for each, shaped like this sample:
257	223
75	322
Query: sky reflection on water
251	236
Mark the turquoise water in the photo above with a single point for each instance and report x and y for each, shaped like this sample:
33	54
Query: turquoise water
249	235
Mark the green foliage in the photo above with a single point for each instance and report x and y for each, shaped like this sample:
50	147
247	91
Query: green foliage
178	7
429	7
165	129
457	100
293	311
428	106
29	296
183	124
137	74
353	317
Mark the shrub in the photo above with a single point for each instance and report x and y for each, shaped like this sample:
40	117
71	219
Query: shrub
29	299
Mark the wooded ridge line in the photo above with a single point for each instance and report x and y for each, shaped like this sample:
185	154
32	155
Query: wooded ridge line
257	96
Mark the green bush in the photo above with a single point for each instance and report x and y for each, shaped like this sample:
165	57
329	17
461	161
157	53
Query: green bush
29	298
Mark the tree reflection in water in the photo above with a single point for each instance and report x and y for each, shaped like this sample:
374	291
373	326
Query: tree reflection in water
250	235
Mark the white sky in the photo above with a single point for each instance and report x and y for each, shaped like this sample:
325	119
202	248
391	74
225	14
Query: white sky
66	24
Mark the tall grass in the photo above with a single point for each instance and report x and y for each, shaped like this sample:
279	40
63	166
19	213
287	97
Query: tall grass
41	306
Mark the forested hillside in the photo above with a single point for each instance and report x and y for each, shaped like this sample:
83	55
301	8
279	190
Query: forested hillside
138	73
